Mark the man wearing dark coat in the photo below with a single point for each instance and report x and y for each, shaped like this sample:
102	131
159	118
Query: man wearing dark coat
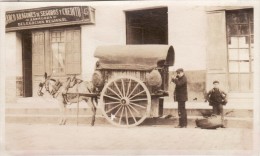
181	96
217	98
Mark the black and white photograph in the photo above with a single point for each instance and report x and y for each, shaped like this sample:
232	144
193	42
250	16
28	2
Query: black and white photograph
129	77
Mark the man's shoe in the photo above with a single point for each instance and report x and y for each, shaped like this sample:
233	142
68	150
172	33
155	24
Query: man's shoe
181	126
223	126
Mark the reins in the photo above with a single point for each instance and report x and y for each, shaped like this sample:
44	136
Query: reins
57	85
56	88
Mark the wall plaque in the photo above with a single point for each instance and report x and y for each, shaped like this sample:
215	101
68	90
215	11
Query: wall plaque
48	17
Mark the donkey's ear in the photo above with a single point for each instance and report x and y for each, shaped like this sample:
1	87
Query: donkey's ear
45	75
73	77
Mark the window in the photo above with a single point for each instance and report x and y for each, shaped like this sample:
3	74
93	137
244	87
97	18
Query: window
148	26
65	51
58	52
240	38
240	29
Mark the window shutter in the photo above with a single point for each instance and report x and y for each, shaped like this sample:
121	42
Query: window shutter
216	49
217	45
73	51
38	53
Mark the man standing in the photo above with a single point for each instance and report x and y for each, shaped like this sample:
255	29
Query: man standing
181	96
216	98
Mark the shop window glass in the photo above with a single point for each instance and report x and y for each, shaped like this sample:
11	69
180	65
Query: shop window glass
58	55
65	47
233	66
243	42
244	54
240	39
233	54
233	43
244	66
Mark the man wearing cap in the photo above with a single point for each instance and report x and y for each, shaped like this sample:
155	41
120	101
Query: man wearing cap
181	96
216	98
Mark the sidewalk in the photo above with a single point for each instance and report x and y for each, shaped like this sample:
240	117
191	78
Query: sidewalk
40	110
40	102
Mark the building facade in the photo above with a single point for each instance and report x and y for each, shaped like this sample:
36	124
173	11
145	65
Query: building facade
210	43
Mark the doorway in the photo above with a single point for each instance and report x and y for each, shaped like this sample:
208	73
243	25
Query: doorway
27	63
148	26
240	37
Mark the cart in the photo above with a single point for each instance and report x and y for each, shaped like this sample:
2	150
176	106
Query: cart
131	81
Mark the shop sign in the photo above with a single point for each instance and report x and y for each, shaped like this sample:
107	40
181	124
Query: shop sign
48	17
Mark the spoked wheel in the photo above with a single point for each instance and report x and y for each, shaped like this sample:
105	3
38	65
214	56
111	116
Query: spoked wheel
125	101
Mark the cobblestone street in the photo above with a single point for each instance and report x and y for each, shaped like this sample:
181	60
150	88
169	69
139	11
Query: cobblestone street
106	139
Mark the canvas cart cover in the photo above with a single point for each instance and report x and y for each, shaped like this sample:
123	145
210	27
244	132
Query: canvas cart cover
134	57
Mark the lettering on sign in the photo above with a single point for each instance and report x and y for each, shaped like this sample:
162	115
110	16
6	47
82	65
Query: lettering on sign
48	16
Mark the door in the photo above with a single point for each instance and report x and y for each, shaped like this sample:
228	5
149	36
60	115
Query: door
216	49
38	46
240	38
57	52
65	51
27	63
73	50
38	58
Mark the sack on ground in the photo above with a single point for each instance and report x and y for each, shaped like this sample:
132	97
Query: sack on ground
213	122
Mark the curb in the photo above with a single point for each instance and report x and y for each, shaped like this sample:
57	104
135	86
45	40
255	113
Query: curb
86	120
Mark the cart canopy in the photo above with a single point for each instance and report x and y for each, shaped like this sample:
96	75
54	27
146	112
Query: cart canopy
134	57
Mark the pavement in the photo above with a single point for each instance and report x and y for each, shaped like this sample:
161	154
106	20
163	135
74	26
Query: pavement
43	110
49	139
48	102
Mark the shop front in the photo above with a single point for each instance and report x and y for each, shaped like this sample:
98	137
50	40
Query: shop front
50	41
211	43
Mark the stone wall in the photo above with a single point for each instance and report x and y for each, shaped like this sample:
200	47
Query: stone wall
10	89
19	86
196	85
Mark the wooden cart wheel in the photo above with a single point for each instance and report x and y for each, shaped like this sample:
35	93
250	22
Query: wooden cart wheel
125	101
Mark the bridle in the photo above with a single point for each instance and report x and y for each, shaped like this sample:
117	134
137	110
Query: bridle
55	87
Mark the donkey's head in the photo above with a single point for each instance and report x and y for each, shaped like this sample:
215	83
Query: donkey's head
49	85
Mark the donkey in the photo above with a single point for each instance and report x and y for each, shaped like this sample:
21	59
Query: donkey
59	91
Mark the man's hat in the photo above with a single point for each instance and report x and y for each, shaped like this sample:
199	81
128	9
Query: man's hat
179	70
215	81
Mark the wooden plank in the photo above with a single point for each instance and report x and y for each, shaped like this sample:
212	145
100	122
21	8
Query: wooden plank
86	94
38	50
73	51
217	44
